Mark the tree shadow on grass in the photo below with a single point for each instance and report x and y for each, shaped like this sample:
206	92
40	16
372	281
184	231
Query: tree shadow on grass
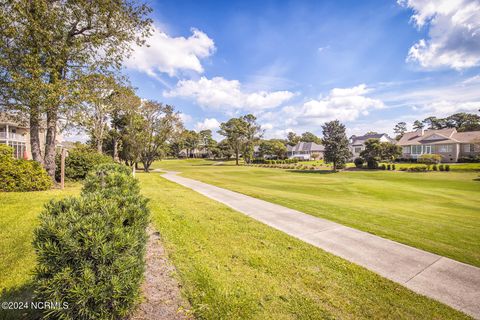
16	298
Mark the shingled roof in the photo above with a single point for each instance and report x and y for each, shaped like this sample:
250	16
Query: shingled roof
442	136
306	146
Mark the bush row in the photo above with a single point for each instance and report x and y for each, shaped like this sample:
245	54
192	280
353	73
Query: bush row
470	159
266	161
91	248
21	175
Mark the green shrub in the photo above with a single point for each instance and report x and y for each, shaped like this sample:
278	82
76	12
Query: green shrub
383	167
372	164
21	175
447	167
441	167
358	162
389	166
418	169
434	167
91	249
393	166
429	159
79	162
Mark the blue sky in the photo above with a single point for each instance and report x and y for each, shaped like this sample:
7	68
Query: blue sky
297	64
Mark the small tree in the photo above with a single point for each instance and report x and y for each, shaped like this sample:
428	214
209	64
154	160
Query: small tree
161	123
253	133
372	153
390	151
234	131
273	147
336	144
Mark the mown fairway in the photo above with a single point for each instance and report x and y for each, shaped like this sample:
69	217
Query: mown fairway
233	267
435	211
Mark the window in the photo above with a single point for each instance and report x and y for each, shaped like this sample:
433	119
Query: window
444	148
18	149
468	148
406	149
358	149
417	149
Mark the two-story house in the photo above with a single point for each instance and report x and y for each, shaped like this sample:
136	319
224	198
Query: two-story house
357	143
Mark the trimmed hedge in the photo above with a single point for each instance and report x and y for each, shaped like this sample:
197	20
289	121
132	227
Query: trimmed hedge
91	248
18	175
79	162
266	161
358	162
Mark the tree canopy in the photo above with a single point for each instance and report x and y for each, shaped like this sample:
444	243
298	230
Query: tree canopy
335	142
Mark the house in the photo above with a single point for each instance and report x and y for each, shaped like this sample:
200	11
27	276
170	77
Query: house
305	150
16	134
448	143
357	143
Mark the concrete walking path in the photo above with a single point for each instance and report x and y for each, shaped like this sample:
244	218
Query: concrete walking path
451	282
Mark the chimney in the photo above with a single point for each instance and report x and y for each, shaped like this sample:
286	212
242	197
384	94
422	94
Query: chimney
421	131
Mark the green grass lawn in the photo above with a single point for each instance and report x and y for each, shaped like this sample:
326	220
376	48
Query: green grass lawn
230	266
233	267
18	219
435	211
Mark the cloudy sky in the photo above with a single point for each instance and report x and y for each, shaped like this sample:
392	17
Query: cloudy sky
296	64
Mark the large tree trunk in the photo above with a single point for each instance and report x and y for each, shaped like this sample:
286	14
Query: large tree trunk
236	157
50	143
35	135
100	145
115	150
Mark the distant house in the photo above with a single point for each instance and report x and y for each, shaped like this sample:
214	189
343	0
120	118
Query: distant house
305	150
448	143
16	134
357	143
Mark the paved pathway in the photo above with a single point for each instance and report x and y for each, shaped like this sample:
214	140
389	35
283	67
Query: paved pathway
446	280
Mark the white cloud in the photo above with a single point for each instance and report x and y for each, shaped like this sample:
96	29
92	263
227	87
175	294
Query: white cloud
344	104
445	108
186	118
170	55
227	95
208	124
453	35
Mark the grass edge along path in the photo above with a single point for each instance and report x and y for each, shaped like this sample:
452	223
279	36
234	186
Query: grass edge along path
434	211
233	267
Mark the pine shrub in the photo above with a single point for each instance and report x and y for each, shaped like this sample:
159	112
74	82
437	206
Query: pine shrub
447	167
91	249
441	167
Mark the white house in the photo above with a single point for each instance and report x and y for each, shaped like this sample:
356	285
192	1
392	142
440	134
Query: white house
305	150
357	143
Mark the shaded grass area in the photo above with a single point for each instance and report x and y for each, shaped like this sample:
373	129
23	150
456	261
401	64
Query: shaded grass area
233	267
18	219
434	211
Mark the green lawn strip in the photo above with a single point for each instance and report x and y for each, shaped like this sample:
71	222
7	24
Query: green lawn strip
434	211
233	267
18	219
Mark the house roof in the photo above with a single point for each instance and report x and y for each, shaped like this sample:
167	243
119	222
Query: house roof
442	136
360	140
306	146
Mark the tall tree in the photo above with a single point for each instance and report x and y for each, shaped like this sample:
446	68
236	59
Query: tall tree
234	131
253	133
161	124
335	142
273	147
310	137
191	141
400	129
96	110
434	123
417	124
293	139
463	121
46	45
372	153
207	141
